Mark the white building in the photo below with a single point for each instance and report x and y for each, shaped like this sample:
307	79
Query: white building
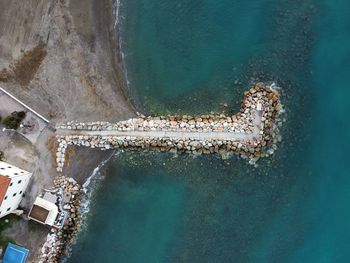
44	210
13	184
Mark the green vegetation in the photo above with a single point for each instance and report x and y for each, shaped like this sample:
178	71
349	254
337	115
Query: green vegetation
13	121
2	155
5	223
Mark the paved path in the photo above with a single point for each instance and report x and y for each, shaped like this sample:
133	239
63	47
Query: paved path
234	136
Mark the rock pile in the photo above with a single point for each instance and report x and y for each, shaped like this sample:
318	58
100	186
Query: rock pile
243	122
58	239
60	154
204	123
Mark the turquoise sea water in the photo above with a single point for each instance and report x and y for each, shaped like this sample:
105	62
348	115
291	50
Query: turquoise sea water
195	56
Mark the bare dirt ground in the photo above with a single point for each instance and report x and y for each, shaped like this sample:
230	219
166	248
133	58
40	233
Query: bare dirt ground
60	58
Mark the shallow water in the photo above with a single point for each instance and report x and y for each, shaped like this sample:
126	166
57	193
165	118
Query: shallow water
195	56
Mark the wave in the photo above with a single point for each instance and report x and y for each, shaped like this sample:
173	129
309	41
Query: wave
274	86
90	185
118	18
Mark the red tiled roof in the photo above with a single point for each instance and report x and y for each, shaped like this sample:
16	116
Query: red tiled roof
4	184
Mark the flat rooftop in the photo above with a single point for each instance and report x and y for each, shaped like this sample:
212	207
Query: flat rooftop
44	211
39	213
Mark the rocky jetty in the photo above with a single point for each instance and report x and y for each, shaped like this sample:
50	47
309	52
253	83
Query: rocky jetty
259	118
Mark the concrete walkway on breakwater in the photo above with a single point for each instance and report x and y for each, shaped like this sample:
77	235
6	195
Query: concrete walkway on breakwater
199	135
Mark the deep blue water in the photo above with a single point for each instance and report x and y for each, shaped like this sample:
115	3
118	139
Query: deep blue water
195	56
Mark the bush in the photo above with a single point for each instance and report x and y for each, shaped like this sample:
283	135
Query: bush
1	155
10	122
13	121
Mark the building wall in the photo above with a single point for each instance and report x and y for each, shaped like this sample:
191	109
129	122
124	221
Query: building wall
16	189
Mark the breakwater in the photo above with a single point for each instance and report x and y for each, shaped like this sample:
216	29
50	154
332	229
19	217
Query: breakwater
251	133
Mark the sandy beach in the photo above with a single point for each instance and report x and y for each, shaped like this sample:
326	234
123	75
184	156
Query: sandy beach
61	58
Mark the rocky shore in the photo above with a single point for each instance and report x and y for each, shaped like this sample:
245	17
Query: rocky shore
58	239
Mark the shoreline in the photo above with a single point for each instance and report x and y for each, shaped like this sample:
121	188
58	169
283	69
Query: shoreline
121	69
130	96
